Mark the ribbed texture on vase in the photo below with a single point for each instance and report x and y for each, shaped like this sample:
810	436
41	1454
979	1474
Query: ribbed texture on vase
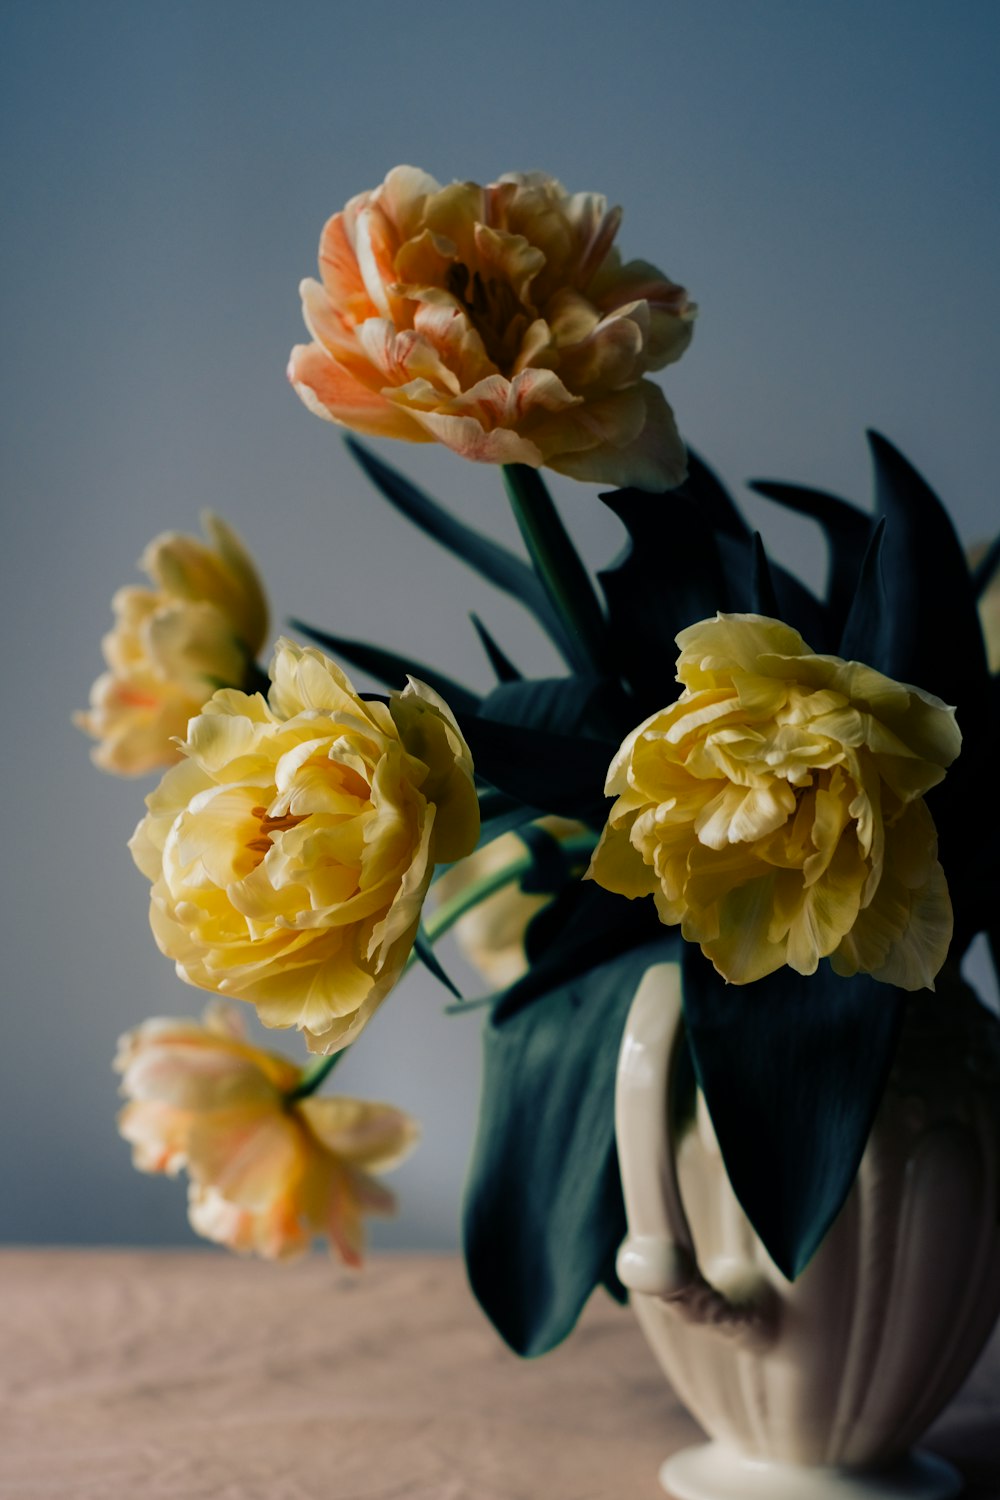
884	1324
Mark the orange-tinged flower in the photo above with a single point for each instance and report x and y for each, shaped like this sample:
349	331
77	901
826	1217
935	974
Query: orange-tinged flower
268	1173
499	320
291	850
776	811
172	645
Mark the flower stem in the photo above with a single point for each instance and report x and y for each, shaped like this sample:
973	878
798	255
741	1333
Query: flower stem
314	1076
558	565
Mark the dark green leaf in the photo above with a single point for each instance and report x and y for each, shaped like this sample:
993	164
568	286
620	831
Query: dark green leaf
502	568
555	773
927	583
424	950
499	814
553	866
560	571
591	706
543	1206
930	635
763	597
390	668
868	607
846	528
502	665
582	927
795	604
792	1071
668	576
706	492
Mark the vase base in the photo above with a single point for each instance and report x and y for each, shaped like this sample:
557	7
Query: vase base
714	1472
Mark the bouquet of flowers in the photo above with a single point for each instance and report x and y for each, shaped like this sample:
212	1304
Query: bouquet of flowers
731	773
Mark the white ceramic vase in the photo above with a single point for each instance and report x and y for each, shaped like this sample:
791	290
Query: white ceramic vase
817	1389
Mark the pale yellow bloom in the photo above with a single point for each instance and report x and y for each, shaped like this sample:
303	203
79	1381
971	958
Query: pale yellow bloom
989	609
172	645
267	1174
776	810
291	850
499	320
491	934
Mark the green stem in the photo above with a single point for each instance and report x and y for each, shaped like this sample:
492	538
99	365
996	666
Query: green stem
450	912
557	563
314	1076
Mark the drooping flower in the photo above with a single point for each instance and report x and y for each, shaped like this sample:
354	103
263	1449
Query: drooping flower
268	1173
491	934
499	320
291	850
198	628
776	811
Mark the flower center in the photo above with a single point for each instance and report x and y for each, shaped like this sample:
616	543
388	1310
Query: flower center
269	826
494	310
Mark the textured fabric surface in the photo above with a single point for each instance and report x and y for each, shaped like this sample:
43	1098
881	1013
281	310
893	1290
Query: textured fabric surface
194	1376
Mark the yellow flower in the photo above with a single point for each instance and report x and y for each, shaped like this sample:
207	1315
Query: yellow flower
268	1173
499	320
491	934
172	645
989	609
776	810
291	850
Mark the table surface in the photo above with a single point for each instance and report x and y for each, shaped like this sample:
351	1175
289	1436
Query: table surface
130	1375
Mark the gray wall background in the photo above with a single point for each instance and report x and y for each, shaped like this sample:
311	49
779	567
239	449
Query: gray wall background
822	178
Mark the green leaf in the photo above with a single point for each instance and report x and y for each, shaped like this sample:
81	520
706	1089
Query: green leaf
502	568
869	604
501	663
708	494
591	706
795	604
543	1214
554	773
765	601
929	634
847	530
792	1071
668	576
927	584
424	950
556	562
680	565
386	666
499	814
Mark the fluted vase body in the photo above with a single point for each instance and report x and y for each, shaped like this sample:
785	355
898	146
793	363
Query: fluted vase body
846	1367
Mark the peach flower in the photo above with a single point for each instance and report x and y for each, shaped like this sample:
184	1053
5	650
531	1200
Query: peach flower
197	629
499	320
268	1173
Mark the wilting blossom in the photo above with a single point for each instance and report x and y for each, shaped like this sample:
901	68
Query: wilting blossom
268	1172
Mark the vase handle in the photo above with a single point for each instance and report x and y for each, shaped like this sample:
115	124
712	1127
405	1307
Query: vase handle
658	1256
